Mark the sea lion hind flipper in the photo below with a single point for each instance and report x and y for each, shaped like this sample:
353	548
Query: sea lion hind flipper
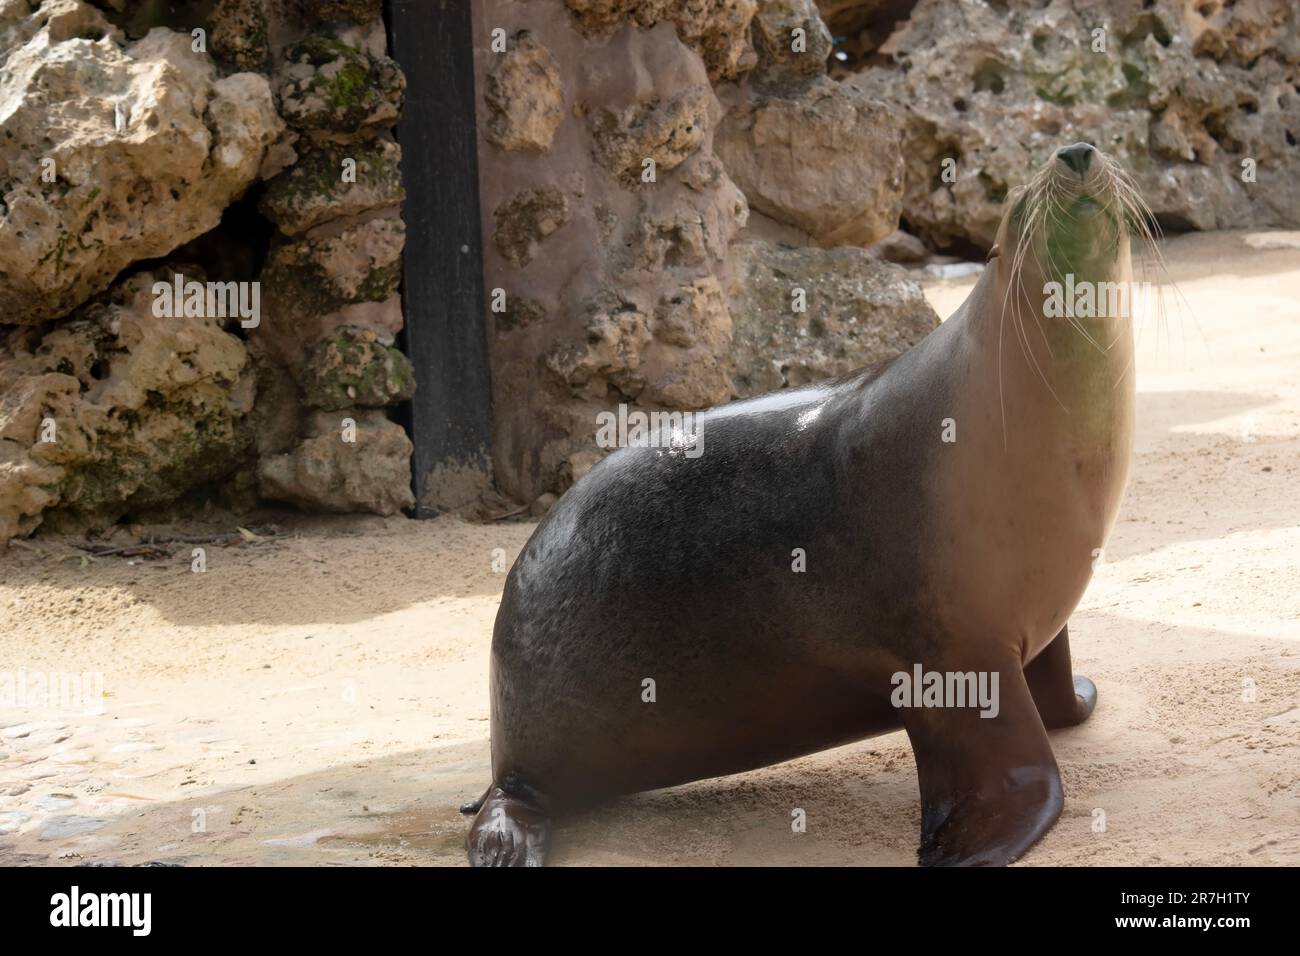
989	785
1063	698
474	806
508	830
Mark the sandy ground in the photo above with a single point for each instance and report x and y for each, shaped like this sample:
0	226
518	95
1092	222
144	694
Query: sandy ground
320	697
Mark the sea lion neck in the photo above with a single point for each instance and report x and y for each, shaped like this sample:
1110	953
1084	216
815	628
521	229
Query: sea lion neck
1072	325
1066	379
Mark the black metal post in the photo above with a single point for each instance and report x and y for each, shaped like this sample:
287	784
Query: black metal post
442	270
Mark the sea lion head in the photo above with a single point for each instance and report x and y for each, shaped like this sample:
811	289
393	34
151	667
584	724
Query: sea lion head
1074	217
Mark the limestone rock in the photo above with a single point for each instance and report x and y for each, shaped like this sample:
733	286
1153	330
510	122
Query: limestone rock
606	278
581	462
666	131
609	353
685	233
116	410
341	11
111	153
526	219
676	358
240	33
329	88
717	29
901	247
352	369
790	38
316	190
1181	95
277	417
331	267
525	97
826	161
851	17
542	504
691	369
327	472
287	342
859	311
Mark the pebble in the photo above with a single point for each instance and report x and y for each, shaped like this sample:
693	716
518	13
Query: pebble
134	747
299	841
18	731
46	738
58	828
54	802
12	820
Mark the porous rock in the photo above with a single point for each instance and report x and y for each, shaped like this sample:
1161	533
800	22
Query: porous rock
112	152
350	460
825	159
118	410
855	311
524	97
353	369
333	181
1192	98
334	90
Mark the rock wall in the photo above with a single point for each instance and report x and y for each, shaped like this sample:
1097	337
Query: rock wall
684	202
626	147
1188	94
244	144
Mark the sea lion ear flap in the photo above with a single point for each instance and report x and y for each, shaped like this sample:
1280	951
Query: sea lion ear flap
993	253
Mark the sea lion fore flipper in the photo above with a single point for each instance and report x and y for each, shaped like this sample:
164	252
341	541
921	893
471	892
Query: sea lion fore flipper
509	830
989	785
1063	699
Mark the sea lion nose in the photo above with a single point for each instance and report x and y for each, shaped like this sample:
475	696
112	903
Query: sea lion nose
1077	157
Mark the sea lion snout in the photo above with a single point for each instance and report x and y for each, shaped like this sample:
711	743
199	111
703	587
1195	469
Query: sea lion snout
1077	157
1073	216
1080	172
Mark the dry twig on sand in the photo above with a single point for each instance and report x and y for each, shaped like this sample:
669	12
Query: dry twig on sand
154	547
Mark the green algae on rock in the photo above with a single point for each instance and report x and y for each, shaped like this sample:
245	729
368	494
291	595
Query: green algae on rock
353	369
333	181
327	86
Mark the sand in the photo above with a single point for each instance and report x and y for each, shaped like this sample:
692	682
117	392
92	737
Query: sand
320	696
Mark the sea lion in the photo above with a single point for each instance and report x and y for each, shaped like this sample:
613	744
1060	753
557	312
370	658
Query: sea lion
940	512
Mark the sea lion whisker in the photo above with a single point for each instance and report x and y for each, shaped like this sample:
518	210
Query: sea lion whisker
1073	321
1022	334
1150	256
1017	256
1123	373
1033	359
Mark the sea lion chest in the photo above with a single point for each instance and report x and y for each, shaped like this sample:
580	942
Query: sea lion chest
1026	496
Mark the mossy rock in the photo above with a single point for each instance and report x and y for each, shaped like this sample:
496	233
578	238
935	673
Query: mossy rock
332	87
352	369
241	33
341	11
314	277
148	410
314	190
